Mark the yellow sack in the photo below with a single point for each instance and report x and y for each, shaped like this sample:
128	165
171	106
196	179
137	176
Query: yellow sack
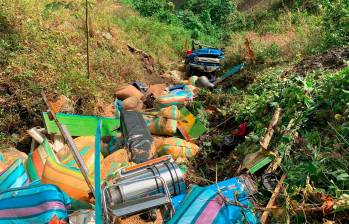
127	91
170	112
69	180
177	148
86	147
132	103
161	125
113	162
163	122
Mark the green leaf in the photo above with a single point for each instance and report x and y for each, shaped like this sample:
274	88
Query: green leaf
343	177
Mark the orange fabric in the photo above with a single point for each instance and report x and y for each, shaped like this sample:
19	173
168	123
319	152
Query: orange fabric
11	154
120	157
70	181
88	157
38	162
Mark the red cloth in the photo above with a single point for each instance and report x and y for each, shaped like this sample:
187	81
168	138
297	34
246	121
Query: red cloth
56	220
189	52
242	131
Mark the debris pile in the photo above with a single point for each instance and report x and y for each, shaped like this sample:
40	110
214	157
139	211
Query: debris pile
107	169
136	162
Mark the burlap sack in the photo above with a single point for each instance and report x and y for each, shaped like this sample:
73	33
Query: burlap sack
157	90
113	162
132	103
127	91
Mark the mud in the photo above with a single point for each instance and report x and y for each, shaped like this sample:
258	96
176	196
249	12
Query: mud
331	60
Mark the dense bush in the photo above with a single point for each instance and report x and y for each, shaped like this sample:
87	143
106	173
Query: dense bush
214	18
336	22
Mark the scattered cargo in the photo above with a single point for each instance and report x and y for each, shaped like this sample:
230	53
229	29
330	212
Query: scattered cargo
101	169
144	187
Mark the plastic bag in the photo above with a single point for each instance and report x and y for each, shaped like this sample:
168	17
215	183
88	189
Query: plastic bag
14	176
36	203
177	96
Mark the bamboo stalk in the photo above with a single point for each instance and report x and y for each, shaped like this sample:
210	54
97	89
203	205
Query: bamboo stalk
273	199
270	131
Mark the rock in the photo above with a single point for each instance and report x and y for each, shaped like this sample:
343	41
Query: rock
107	35
132	103
104	109
127	91
109	111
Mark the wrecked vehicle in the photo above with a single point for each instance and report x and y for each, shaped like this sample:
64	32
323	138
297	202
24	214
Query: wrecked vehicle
203	58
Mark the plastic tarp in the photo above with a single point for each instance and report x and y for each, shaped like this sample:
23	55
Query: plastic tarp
14	176
36	203
204	205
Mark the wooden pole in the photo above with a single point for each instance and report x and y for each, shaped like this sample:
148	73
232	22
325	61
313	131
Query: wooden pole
266	140
275	195
87	40
69	140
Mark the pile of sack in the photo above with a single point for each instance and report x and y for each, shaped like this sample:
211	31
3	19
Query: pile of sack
147	123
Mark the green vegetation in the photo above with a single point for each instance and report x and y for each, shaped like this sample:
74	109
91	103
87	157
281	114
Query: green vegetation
42	47
312	136
208	21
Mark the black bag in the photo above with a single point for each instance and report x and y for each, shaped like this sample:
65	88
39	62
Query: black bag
136	136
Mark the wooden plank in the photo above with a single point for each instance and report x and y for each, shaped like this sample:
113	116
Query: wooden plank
79	125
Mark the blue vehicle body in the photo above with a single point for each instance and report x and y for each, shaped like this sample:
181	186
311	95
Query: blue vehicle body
207	60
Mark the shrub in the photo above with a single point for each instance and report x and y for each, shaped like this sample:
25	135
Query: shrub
336	22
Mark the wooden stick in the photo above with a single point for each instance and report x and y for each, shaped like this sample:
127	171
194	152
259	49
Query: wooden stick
69	140
272	200
87	41
266	140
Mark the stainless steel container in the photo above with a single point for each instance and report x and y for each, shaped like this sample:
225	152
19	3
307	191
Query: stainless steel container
140	182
